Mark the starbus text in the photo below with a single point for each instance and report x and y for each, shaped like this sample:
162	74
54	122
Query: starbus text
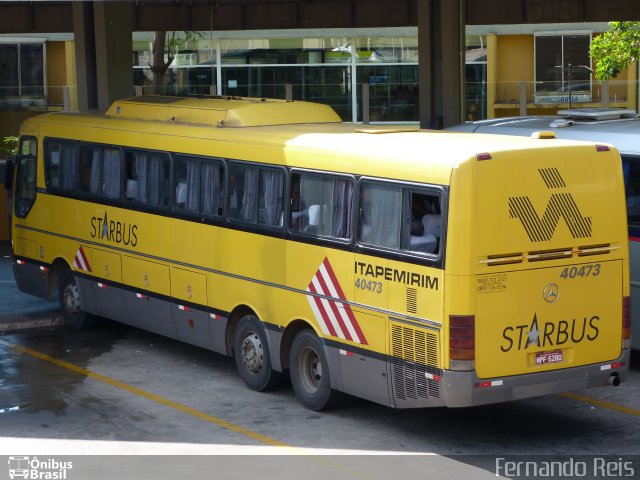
114	231
550	334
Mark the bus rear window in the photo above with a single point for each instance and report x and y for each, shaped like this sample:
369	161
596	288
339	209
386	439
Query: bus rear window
399	217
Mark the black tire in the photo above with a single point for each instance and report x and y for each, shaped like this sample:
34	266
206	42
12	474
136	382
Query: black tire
309	372
69	296
252	356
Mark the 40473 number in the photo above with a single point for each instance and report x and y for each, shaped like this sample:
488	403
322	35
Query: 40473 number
373	287
592	270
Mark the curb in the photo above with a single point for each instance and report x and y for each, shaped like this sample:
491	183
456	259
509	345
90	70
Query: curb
27	323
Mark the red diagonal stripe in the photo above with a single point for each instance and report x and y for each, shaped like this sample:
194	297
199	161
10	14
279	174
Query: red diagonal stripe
327	321
84	259
342	296
333	305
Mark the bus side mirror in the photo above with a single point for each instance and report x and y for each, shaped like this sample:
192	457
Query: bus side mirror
7	174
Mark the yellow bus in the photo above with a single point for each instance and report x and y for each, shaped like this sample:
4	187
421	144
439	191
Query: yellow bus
410	268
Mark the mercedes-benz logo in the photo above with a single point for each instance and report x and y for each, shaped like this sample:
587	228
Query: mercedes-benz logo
551	292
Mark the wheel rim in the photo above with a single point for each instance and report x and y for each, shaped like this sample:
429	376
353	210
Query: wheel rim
252	353
71	299
310	369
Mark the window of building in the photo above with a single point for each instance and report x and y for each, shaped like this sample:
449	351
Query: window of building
393	92
21	70
476	77
321	205
562	66
398	217
387	49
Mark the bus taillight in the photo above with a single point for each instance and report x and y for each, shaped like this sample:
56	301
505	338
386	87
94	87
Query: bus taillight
626	322
462	341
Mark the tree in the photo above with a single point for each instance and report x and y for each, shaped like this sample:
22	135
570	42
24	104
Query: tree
170	43
615	49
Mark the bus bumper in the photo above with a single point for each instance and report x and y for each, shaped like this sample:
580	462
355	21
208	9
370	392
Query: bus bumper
465	389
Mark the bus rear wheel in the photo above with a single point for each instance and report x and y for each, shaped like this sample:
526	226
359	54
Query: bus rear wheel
251	355
309	371
70	307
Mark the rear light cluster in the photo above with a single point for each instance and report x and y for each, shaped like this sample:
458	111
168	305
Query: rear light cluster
626	322
462	337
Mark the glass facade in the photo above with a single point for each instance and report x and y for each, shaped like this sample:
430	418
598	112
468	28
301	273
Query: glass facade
476	77
562	65
22	73
330	70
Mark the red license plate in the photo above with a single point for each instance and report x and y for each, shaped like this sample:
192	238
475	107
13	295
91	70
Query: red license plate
543	358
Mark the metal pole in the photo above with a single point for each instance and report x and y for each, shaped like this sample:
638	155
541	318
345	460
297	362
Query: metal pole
66	98
569	84
523	99
365	104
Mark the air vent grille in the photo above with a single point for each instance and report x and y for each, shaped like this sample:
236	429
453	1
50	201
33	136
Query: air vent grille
412	300
546	255
415	353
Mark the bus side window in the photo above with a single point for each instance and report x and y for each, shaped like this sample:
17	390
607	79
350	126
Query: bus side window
148	175
111	172
243	183
380	214
321	205
186	183
423	226
256	194
25	187
212	187
62	165
270	197
89	166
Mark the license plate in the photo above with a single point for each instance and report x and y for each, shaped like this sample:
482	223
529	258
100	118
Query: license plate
543	358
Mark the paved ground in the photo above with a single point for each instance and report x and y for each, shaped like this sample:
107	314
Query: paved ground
19	311
117	390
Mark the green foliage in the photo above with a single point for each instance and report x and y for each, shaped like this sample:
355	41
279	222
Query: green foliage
9	146
175	42
615	49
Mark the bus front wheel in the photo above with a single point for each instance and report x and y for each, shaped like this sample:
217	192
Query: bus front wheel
309	372
72	312
251	354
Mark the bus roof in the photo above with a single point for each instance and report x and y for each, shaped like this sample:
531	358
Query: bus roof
312	138
222	111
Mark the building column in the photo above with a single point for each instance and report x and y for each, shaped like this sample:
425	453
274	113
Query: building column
492	73
103	47
441	49
85	53
71	76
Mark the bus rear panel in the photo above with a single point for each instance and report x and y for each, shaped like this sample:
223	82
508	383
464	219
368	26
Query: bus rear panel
548	275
